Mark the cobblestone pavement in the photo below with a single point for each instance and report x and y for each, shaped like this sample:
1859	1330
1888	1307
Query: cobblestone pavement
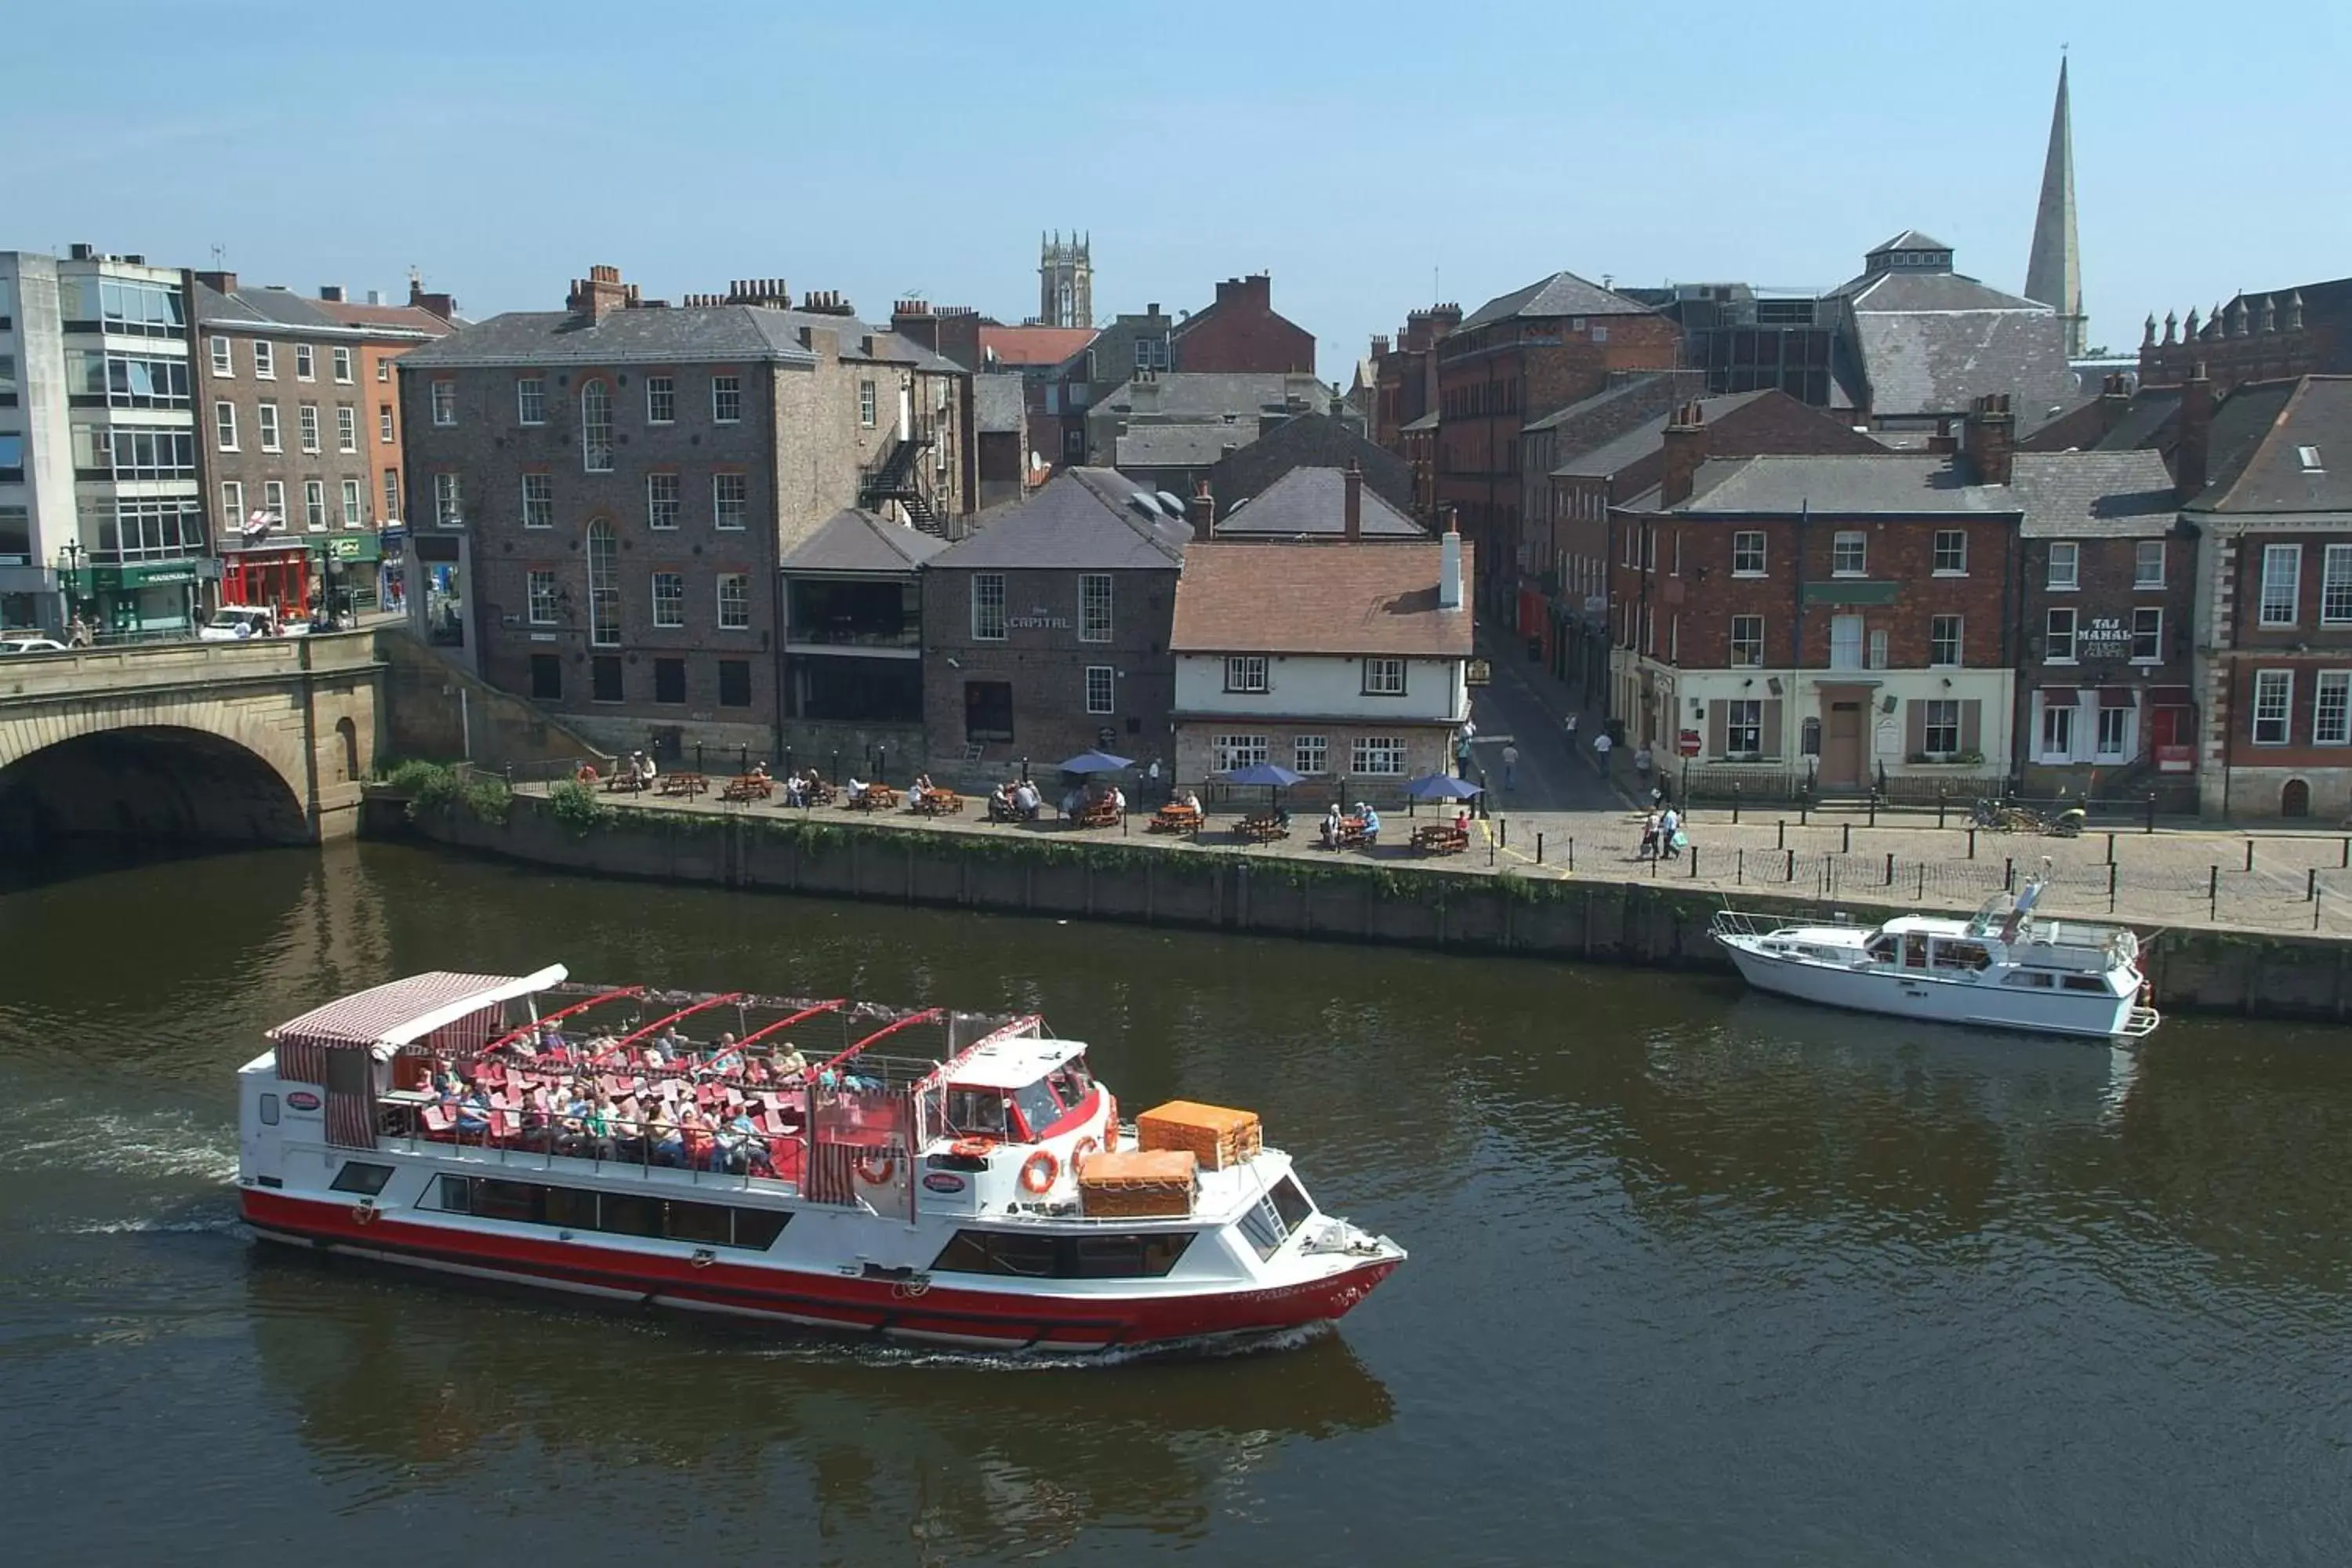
2276	881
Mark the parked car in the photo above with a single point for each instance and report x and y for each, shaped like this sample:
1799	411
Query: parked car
29	642
235	623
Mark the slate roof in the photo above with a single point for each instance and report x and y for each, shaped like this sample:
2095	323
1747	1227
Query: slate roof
1189	445
2254	460
1898	483
277	306
1638	443
1426	422
2075	495
1203	394
859	542
1939	361
1910	240
1329	598
1636	389
998	402
1562	294
1033	345
1917	289
1314	500
697	333
1083	520
1309	441
2151	411
402	318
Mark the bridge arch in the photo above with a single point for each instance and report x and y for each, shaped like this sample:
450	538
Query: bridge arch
135	776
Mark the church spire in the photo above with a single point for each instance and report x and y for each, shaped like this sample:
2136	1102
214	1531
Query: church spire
2054	272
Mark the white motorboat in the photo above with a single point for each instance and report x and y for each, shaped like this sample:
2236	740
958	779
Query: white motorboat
2004	968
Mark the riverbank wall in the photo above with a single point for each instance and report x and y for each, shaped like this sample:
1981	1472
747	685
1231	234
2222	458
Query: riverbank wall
1436	905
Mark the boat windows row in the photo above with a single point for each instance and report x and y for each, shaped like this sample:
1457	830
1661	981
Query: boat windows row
1132	1255
616	1213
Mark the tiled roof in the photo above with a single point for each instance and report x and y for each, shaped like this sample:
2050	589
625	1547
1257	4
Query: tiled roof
401	318
1033	345
1640	442
1939	361
1910	240
854	541
2076	494
1333	598
694	334
1205	395
1562	294
1898	483
1314	500
1180	445
1083	519
2256	448
998	402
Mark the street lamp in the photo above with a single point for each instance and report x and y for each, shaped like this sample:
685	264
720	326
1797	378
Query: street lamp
69	575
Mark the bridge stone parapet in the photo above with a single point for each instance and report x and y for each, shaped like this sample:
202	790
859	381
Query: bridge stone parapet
269	738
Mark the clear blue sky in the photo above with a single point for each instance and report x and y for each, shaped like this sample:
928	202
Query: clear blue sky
1348	149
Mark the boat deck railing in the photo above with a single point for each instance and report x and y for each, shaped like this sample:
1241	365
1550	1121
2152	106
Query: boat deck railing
1743	923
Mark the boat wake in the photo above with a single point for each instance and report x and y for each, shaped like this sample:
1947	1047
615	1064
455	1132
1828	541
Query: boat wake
1222	1347
53	1136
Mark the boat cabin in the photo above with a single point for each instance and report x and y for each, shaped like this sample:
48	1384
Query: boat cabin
1020	1088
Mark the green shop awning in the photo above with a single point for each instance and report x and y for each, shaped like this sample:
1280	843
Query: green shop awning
152	574
359	548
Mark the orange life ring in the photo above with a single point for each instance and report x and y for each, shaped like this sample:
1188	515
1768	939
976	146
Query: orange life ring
364	1213
972	1148
876	1173
1038	1171
1080	1151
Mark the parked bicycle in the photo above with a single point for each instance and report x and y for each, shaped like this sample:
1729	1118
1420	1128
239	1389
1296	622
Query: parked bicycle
1999	818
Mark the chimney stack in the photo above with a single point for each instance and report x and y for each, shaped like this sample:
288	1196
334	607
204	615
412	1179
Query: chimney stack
1449	563
596	297
1990	438
443	305
218	282
1684	450
1204	509
2191	446
1353	514
2114	402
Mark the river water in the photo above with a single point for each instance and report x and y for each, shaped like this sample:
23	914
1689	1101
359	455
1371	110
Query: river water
1696	1277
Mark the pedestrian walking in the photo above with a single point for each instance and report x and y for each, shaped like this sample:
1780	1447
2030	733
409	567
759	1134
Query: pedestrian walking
1572	728
1601	745
1510	765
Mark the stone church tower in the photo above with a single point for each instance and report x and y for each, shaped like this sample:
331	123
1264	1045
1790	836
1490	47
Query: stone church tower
1065	281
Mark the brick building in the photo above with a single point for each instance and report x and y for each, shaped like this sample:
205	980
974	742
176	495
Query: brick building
2270	336
1045	633
1835	619
1516	358
1309	503
601	495
1240	332
301	436
2269	475
1405	374
1307	441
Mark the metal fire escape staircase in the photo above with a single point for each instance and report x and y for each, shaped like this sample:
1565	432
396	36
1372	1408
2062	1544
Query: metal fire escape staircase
897	476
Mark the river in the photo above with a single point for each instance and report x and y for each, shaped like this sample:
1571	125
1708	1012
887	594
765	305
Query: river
1696	1277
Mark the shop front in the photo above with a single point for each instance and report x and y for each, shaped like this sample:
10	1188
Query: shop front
271	576
144	600
346	566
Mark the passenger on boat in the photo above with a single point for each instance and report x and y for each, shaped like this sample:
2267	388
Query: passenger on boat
444	1081
663	1137
702	1142
790	1063
729	1057
474	1113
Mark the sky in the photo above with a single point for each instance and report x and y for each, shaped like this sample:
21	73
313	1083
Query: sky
1373	156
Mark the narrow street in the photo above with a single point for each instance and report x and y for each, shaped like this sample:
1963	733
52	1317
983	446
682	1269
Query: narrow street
1519	707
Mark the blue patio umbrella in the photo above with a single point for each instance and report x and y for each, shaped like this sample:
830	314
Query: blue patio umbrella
1096	763
1272	774
1442	786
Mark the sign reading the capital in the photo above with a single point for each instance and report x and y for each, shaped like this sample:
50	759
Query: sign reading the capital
1038	623
2102	636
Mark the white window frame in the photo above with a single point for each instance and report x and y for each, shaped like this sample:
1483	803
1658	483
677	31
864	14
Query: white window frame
342	361
1847	652
1102	690
306	425
2147	551
1310	754
391	495
225	357
1850	544
1376	757
1228	753
538	501
2057	719
271	429
2281	585
2064	572
1095	606
347	427
987	607
1880	642
443	393
1247	673
1939	713
726	399
231	494
224	425
668	609
534	600
663	500
354	503
2049	634
661	400
1958	641
1385	677
448	499
596	426
305	362
2336	586
1740	547
530	400
314	506
734	607
866	404
384	427
273	500
1959	566
2273	705
727	511
1743	720
2120	721
2331	728
265	359
2155	633
1747	652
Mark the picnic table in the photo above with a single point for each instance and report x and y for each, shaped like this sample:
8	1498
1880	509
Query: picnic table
878	797
1175	817
1261	827
687	785
821	794
1440	839
1097	813
749	786
1350	835
936	802
624	783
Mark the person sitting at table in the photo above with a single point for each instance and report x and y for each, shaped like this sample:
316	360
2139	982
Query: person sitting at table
1118	799
1370	819
1192	802
1000	803
1331	826
856	788
1461	820
1027	802
444	1081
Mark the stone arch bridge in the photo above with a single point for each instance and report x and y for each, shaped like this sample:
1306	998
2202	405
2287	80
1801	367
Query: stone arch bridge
265	741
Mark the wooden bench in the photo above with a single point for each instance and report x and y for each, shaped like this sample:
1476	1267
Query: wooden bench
1440	839
1098	813
623	783
1174	820
1260	829
822	793
686	784
1351	834
749	786
939	803
878	797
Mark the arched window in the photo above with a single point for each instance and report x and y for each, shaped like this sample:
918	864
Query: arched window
603	587
596	427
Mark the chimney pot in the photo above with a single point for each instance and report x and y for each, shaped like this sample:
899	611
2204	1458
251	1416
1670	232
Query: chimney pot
1352	514
1203	509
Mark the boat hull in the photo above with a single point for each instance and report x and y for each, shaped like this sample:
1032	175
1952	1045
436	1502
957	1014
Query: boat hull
1932	999
925	1312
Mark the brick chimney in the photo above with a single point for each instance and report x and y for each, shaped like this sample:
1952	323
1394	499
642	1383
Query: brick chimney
1684	450
1353	514
2193	444
1204	509
1257	289
1990	438
598	296
441	305
1449	563
218	282
2114	402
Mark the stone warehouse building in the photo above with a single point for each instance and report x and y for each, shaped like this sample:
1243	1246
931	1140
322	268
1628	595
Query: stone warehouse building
601	496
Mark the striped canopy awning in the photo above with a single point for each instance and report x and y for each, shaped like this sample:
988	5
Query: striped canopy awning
378	1014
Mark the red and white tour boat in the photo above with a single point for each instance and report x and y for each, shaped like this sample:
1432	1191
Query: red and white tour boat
926	1176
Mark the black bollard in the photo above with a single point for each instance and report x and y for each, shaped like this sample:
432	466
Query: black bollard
1735	803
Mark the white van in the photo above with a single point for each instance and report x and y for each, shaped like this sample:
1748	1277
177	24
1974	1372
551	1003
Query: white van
235	623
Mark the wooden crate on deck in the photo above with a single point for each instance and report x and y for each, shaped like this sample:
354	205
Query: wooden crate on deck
1135	1184
1215	1136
